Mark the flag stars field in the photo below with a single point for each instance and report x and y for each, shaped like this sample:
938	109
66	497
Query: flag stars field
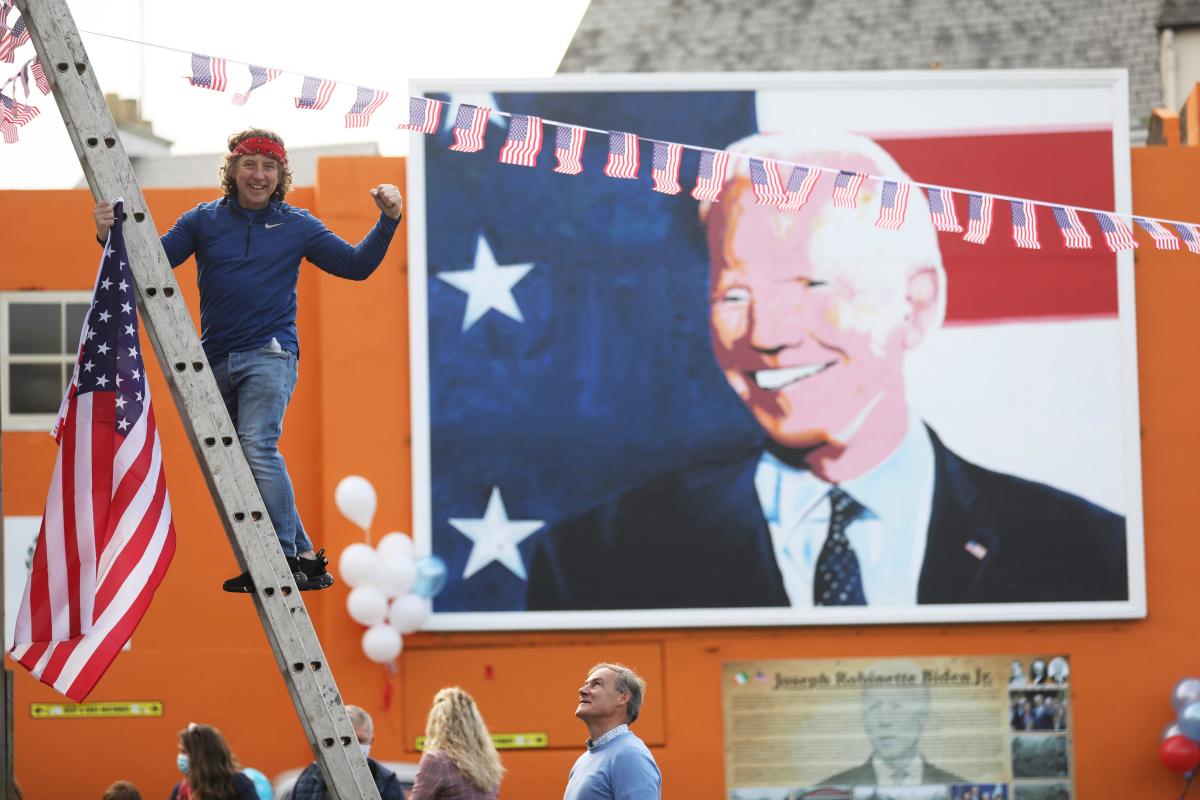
488	285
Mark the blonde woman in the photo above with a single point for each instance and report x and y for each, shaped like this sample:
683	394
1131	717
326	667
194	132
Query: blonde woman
460	762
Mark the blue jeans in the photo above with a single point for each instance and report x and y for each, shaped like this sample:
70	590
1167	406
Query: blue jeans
256	386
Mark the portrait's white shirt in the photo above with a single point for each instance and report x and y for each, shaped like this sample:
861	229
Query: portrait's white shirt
888	537
913	772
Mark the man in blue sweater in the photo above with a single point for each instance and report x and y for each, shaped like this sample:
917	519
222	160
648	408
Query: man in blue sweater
248	246
617	765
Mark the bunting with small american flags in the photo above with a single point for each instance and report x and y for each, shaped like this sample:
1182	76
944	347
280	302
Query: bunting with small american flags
1116	233
766	183
470	125
845	188
799	187
893	205
423	115
524	142
568	149
711	178
1163	238
667	159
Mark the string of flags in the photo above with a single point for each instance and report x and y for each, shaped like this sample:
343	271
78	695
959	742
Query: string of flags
785	185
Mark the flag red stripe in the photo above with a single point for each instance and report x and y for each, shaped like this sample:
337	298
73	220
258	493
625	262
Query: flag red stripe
121	567
107	652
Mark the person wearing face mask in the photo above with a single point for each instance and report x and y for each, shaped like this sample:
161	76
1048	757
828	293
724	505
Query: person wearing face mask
311	785
210	772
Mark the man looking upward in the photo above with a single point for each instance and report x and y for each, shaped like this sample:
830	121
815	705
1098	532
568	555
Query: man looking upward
248	246
617	765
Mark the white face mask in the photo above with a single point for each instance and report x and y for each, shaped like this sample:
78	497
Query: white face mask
366	748
181	761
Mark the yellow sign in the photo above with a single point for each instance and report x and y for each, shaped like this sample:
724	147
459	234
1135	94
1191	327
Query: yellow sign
509	741
116	708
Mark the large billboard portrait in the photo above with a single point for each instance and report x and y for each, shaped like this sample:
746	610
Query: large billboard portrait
833	370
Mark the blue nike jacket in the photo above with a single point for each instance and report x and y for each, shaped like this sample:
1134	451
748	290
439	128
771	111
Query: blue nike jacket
248	263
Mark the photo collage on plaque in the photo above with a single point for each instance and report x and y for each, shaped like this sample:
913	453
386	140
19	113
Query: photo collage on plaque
935	728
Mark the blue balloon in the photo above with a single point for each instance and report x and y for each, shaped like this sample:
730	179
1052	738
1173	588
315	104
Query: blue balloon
431	577
1189	721
261	785
1187	690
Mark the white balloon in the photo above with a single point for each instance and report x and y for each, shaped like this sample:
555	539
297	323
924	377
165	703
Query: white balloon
358	564
396	575
355	497
395	543
408	612
381	643
366	605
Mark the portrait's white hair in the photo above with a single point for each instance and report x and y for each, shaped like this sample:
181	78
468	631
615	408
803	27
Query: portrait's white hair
843	241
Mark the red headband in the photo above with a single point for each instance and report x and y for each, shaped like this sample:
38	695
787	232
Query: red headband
260	145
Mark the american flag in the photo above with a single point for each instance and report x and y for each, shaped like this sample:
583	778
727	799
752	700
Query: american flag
568	149
941	210
5	8
13	39
1024	225
1189	236
315	94
893	205
13	115
1075	236
469	127
799	187
710	180
39	77
667	159
423	115
766	183
979	218
1116	232
845	188
1163	238
623	157
106	537
8	130
259	76
524	142
208	72
366	103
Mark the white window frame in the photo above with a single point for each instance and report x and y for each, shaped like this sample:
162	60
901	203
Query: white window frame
31	422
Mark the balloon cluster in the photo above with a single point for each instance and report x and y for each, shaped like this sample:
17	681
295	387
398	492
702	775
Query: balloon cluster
1180	747
391	591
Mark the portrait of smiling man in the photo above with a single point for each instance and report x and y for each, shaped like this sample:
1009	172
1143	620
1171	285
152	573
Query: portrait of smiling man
850	498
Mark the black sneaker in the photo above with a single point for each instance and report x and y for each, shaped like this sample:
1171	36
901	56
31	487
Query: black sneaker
243	584
316	576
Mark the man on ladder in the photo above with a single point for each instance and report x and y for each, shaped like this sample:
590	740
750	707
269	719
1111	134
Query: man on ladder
248	246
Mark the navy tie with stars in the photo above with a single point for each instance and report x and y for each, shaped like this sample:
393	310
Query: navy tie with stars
838	580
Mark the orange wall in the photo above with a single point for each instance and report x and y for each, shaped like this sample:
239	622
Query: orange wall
203	653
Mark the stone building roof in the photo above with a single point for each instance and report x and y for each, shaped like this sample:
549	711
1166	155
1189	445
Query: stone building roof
773	35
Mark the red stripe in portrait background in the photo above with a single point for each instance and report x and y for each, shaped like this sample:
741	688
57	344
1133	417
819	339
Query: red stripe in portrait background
996	281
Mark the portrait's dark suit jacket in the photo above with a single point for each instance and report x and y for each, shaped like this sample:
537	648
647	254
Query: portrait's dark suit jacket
698	539
864	774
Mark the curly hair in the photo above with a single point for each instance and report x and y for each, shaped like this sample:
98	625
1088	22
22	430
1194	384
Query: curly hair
228	169
456	728
211	767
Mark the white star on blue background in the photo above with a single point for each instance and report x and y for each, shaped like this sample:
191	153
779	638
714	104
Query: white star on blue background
488	285
496	537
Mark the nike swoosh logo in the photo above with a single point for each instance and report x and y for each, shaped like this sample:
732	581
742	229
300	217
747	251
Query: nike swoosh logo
270	225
